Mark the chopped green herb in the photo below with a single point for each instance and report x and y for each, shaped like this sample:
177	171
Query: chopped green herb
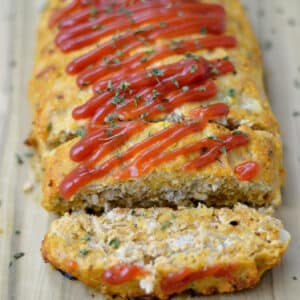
155	93
132	212
144	115
115	36
191	55
231	92
93	11
119	52
109	86
118	154
111	119
19	255
213	137
29	154
18	232
80	132
295	278
124	85
136	100
10	263
116	61
83	252
296	113
193	68
20	160
202	88
86	237
267	45
175	44
162	24
117	99
223	150
185	88
214	71
157	72
237	132
180	14
108	132
106	60
203	30
115	243
49	127
175	81
226	58
161	107
166	224
150	52
144	59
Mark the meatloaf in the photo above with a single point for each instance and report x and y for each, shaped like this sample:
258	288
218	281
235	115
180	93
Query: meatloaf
113	74
160	251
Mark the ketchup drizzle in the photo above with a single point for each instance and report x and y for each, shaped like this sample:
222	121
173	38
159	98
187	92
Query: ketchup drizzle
124	90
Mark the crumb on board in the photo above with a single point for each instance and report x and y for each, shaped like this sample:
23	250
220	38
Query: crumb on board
27	187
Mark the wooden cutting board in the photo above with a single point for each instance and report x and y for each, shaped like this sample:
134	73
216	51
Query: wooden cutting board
23	222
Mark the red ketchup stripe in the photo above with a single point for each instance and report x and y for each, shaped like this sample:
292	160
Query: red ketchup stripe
182	71
85	14
111	145
92	141
150	157
105	49
246	171
178	281
230	142
136	63
144	59
76	11
186	25
142	15
133	41
122	273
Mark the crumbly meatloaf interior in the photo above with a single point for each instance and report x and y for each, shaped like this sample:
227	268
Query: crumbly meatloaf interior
163	241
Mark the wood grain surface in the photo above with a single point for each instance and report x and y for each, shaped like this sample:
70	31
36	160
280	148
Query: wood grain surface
23	222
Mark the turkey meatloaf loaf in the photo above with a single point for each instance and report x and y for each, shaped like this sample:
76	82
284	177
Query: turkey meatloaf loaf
160	252
54	92
166	98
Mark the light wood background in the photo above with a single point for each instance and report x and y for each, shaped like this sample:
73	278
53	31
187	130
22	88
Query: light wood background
277	24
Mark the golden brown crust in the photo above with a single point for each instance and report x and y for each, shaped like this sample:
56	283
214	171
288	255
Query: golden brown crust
164	241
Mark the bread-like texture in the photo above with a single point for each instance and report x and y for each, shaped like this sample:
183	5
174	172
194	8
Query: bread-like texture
164	241
54	93
167	185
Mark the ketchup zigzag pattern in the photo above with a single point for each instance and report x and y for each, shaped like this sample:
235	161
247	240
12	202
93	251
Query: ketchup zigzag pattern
128	92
